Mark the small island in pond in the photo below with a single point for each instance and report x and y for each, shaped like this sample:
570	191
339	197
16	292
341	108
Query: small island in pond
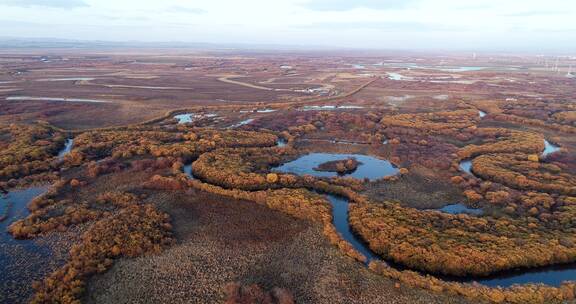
341	166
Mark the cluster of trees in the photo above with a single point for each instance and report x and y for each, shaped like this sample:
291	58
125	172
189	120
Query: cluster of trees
551	209
131	232
180	141
429	152
245	168
450	123
329	121
553	113
514	177
28	150
566	117
499	140
341	166
535	122
524	172
459	245
122	226
249	169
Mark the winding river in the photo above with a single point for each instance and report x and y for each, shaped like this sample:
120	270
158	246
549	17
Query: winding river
551	275
549	148
374	168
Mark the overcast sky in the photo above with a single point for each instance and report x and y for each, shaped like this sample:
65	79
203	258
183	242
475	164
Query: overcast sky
503	25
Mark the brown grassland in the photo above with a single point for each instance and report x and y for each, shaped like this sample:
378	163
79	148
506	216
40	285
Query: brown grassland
158	211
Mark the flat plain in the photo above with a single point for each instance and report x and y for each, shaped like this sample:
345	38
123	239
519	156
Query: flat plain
230	176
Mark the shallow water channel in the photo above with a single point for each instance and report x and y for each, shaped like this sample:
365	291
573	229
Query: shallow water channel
552	275
374	168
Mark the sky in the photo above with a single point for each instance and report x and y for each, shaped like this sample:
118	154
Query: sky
479	25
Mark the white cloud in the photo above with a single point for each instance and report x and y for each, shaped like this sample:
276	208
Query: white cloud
450	24
345	5
45	3
185	10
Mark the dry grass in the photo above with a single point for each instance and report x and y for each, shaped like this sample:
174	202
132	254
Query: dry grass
223	240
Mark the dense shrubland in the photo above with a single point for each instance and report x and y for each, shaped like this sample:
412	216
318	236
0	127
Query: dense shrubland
244	168
459	244
554	115
458	122
119	225
503	141
130	232
177	141
532	225
28	151
249	169
412	149
524	172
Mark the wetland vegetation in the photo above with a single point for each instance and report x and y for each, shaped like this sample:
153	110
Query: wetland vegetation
430	200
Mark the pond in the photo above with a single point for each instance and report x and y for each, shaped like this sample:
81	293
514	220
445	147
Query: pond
242	123
370	167
189	117
466	166
481	114
281	142
184	118
396	76
188	171
549	148
459	209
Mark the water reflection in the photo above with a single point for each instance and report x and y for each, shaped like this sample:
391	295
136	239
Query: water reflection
552	275
549	148
370	167
21	261
242	123
67	148
281	142
459	209
466	166
188	171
